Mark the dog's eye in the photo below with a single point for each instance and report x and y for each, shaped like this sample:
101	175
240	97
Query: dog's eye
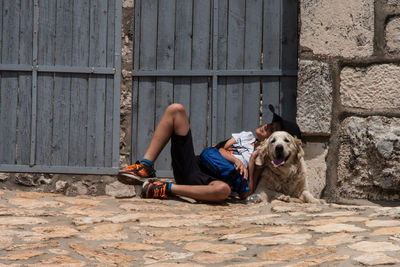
273	140
287	140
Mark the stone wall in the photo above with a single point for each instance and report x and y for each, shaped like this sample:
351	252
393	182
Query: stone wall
349	95
126	80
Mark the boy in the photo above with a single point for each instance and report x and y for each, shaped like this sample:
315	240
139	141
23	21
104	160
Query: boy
190	180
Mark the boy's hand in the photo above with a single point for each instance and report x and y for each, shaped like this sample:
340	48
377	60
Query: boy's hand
245	194
241	169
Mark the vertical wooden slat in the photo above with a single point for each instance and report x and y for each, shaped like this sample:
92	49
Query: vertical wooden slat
222	52
25	84
212	128
97	83
289	59
109	97
165	61
147	57
1	52
271	56
200	61
117	84
183	51
1	34
35	49
79	85
45	82
251	87
9	81
235	60
62	83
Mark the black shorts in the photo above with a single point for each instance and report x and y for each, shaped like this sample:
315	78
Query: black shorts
185	164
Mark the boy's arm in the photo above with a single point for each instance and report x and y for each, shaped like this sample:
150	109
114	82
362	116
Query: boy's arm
254	175
232	159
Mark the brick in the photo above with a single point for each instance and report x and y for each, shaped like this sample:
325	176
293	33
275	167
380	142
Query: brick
373	87
369	158
314	97
393	36
338	28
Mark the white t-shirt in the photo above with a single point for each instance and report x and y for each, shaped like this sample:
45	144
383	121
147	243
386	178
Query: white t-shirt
243	146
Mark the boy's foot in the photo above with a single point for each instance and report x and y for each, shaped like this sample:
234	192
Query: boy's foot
155	190
136	173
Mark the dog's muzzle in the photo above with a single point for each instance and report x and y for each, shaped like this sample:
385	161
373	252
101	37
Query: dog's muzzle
279	158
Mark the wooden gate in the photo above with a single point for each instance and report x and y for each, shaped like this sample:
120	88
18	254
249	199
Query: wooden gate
60	86
224	60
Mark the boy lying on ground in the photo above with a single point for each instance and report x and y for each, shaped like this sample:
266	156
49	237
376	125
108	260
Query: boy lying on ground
191	179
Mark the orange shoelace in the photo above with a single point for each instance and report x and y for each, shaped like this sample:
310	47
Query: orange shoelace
158	191
132	167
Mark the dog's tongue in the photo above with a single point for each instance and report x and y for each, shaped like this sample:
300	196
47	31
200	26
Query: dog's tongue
278	162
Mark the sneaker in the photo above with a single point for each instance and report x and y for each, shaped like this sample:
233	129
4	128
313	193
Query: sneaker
154	190
136	173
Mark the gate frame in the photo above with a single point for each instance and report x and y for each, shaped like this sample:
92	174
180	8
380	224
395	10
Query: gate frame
35	69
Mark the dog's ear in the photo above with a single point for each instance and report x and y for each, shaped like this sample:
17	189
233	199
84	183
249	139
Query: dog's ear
262	154
300	151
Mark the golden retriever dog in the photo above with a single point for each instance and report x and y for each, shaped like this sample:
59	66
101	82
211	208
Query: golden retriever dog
283	175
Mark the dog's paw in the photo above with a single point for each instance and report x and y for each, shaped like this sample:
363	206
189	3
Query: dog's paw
255	198
284	198
317	201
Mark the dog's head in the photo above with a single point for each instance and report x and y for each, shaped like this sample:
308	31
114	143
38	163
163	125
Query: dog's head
279	150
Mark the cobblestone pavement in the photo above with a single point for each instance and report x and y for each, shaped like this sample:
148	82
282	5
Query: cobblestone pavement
39	229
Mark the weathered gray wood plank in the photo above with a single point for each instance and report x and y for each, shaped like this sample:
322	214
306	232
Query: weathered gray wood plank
235	60
45	82
109	97
271	56
62	83
165	61
79	85
272	34
97	84
183	51
1	34
9	81
25	84
117	84
200	61
146	93
289	59
222	50
252	54
1	73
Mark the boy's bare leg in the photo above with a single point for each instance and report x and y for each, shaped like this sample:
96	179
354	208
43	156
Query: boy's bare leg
215	191
174	120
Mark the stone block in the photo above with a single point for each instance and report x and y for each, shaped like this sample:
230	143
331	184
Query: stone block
372	87
314	97
314	156
127	3
369	158
338	28
392	36
394	3
120	190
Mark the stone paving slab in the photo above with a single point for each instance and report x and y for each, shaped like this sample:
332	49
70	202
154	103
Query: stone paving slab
38	229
